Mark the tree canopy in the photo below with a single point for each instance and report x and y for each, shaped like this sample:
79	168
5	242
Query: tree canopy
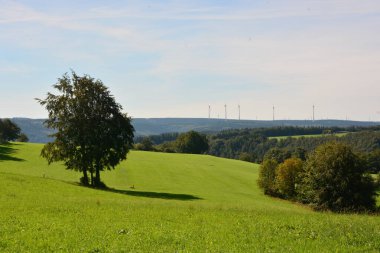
9	131
332	178
192	142
91	132
335	179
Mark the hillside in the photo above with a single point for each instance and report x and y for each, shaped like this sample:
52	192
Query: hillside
36	132
186	203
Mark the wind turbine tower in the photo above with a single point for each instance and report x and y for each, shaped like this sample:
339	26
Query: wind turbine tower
313	112
225	111
209	111
273	113
239	111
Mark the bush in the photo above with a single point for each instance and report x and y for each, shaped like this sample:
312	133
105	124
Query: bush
334	179
146	145
267	176
167	147
288	177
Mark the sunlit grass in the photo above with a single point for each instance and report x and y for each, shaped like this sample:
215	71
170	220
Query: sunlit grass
162	203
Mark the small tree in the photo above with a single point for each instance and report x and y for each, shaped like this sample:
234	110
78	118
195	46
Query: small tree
192	142
91	132
288	177
334	179
267	176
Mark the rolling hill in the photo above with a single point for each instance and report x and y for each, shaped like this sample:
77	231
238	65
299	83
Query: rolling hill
37	133
161	202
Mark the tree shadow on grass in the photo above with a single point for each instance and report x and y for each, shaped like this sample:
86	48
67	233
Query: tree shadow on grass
159	195
145	194
6	153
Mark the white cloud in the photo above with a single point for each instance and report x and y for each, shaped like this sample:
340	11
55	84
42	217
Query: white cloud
332	58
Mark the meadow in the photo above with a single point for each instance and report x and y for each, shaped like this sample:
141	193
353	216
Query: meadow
158	202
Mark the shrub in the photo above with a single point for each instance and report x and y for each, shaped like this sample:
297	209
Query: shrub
146	144
267	176
167	147
288	177
334	179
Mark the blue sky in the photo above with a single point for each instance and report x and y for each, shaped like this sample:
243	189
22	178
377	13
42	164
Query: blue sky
174	58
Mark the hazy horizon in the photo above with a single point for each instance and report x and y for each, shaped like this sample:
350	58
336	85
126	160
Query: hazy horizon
223	119
174	58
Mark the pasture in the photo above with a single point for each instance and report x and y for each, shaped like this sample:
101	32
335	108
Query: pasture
158	202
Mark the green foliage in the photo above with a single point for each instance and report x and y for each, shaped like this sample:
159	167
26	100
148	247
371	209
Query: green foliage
91	132
44	210
278	154
9	131
23	138
267	176
372	160
247	157
288	177
192	143
258	142
146	144
158	139
167	147
334	179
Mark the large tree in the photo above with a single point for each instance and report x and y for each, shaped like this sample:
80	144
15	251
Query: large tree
9	131
91	132
192	142
335	179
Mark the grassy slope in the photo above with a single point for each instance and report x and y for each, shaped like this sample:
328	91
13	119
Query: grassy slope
180	203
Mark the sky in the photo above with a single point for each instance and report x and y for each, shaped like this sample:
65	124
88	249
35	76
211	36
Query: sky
175	58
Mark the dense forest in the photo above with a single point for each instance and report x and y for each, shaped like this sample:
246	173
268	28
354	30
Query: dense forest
233	144
253	144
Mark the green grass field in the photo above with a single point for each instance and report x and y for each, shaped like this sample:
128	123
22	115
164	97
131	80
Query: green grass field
180	203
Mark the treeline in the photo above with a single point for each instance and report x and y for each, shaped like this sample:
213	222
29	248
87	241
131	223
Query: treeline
252	144
191	142
233	145
158	139
9	131
333	177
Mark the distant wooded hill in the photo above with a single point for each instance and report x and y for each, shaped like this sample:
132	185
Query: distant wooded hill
36	132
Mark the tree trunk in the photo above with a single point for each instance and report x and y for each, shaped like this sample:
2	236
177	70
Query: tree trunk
85	177
92	178
97	175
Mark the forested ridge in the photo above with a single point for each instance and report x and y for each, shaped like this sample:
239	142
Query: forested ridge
252	144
